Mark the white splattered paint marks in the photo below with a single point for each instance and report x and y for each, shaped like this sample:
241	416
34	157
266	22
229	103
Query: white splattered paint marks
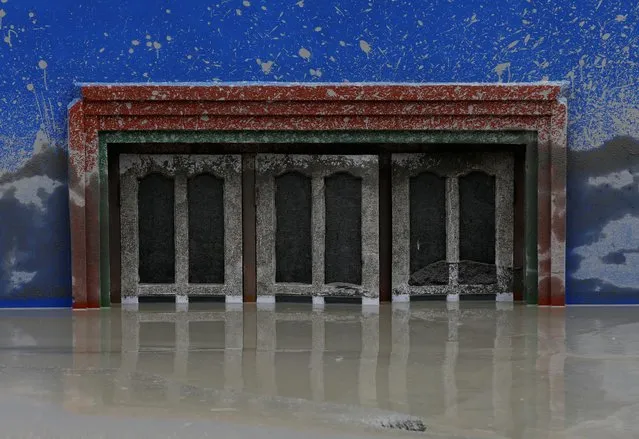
304	53
42	64
365	46
500	69
265	65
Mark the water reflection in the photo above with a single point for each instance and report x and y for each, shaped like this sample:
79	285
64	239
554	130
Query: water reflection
493	369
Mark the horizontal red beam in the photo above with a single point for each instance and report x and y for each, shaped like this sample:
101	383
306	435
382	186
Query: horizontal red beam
191	123
325	108
330	92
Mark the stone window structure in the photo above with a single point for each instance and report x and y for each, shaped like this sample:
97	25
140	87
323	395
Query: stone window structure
453	224
181	226
317	226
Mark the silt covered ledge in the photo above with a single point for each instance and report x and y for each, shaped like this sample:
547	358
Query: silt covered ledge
246	111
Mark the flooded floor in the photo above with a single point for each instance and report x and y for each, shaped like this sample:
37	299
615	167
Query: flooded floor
469	370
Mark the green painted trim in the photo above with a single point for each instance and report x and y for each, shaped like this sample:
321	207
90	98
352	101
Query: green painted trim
501	137
432	137
105	271
531	222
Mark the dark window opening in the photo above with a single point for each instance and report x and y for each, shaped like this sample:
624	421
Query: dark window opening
293	235
156	201
343	222
206	229
427	199
477	229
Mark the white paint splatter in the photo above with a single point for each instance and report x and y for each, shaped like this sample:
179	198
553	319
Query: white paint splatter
366	48
238	12
500	69
30	87
43	66
304	53
621	18
316	72
135	42
318	29
300	3
265	65
246	3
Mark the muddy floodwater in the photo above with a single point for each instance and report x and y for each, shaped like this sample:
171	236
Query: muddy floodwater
428	369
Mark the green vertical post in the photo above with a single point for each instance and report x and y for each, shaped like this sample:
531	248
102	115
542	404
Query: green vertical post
530	274
103	178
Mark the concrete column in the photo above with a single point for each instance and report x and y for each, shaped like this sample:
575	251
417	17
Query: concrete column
452	237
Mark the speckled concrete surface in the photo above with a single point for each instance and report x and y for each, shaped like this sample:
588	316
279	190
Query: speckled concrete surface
469	370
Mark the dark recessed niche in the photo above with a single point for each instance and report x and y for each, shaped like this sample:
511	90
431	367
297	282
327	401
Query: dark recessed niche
156	200
206	229
427	199
477	229
293	242
343	237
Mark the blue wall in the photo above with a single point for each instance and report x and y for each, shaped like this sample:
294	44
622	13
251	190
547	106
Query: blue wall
45	46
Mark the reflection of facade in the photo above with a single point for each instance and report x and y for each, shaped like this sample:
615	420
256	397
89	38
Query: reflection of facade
436	362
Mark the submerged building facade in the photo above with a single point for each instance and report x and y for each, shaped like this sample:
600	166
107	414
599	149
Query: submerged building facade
325	151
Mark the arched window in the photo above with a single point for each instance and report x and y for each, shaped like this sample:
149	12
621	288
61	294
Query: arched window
206	229
156	229
293	241
343	223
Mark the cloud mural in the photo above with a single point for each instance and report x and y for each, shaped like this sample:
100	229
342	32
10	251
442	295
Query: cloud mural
35	234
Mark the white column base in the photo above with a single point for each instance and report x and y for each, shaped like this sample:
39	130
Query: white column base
233	299
318	301
265	300
182	299
401	298
504	297
130	302
452	298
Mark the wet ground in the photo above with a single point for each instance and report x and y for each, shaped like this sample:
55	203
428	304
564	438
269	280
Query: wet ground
469	370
